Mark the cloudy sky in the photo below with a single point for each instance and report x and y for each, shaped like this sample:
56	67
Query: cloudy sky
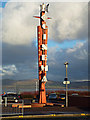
67	40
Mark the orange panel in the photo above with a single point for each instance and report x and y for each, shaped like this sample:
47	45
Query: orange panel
42	92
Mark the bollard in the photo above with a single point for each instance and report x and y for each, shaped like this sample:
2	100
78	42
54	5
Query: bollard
5	101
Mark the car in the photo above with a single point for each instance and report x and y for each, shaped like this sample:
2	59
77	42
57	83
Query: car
52	96
62	97
11	97
75	94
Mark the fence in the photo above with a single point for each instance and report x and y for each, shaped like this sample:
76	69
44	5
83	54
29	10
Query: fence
12	108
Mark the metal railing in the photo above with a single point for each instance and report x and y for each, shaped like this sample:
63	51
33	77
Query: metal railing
12	108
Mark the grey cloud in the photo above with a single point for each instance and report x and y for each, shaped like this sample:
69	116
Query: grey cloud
18	54
25	60
77	69
23	57
69	21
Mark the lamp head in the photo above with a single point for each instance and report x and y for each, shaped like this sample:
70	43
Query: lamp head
66	64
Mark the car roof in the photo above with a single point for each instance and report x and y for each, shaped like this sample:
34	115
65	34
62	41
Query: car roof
53	93
62	94
11	92
75	94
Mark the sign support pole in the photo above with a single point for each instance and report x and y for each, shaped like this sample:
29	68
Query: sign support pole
66	82
66	95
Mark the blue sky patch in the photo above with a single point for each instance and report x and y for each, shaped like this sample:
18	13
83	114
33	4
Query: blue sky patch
2	4
65	44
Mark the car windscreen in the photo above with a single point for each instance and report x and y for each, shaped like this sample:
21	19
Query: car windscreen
53	95
62	95
11	95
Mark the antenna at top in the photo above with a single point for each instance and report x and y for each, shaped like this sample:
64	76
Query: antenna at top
44	7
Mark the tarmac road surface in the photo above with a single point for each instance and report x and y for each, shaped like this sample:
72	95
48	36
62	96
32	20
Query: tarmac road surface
50	113
49	118
75	111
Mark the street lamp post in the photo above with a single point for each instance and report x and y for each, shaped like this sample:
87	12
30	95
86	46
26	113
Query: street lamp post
66	65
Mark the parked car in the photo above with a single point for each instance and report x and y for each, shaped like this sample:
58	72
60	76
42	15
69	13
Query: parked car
11	97
75	94
62	97
52	96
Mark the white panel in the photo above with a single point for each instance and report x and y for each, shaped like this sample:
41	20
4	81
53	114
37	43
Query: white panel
44	79
43	57
42	67
44	26
66	82
43	7
44	47
46	68
44	36
44	17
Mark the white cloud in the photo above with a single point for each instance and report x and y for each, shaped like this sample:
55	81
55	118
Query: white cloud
76	47
69	21
82	80
8	70
80	51
19	26
82	54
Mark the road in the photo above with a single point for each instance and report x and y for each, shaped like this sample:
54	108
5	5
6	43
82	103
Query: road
75	109
58	118
47	117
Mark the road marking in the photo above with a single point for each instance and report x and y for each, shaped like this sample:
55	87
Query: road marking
20	116
83	114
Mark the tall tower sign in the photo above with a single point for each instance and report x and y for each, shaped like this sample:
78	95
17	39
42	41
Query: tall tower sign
42	30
